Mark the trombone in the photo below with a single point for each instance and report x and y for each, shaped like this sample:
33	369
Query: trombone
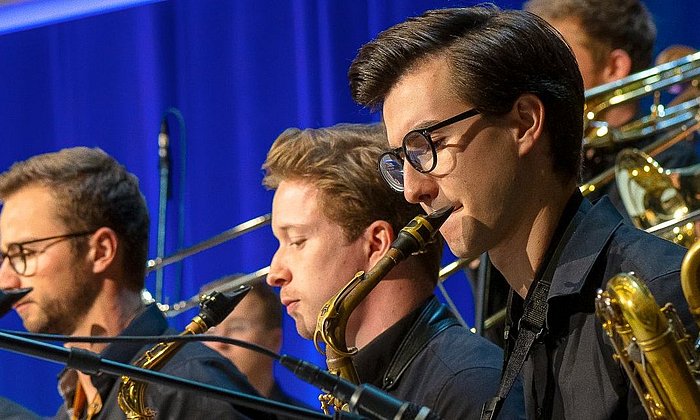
235	281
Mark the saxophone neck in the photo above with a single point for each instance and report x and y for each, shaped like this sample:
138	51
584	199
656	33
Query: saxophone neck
341	365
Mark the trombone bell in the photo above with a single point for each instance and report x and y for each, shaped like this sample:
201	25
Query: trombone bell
650	196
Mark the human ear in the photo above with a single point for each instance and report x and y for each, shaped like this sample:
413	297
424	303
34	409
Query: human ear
378	237
618	64
103	249
528	113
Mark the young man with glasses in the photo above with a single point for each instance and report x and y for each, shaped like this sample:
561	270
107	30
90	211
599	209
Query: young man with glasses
334	216
510	172
74	228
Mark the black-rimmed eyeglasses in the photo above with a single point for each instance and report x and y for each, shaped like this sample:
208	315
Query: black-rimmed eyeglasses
418	148
23	260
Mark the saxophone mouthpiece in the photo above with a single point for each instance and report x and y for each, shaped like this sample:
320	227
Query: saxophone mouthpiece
438	217
216	306
8	297
421	230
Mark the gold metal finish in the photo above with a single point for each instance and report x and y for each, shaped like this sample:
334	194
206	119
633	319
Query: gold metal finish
650	197
670	124
651	343
597	133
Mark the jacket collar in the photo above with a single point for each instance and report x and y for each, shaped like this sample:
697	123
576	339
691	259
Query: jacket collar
590	238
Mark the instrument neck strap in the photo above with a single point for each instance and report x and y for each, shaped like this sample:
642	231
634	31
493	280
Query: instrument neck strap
531	325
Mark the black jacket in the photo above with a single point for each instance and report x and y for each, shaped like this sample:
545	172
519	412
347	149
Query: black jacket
429	359
571	374
193	361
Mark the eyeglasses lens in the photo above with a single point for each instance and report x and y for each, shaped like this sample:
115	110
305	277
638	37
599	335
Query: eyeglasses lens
419	151
391	168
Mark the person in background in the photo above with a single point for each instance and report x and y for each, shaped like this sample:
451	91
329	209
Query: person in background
611	40
256	319
74	227
482	109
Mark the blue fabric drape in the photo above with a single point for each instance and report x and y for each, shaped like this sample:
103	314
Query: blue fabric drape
240	72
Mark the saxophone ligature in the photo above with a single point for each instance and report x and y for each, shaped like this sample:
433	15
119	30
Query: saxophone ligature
214	308
651	343
334	315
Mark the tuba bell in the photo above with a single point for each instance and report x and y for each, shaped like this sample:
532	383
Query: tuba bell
651	343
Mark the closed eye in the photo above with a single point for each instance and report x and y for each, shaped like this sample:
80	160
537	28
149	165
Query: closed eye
297	243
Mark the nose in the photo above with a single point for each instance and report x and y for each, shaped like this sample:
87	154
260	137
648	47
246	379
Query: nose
8	278
418	187
279	274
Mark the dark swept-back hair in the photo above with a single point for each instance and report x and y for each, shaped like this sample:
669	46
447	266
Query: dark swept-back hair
91	190
608	25
494	57
341	161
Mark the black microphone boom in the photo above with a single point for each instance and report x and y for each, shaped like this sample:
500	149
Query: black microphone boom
365	399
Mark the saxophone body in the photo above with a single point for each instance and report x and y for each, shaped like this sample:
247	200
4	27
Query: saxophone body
651	344
214	308
333	318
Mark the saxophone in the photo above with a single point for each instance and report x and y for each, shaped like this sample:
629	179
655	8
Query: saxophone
335	313
651	343
214	308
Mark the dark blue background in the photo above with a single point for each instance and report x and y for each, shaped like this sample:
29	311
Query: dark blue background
240	72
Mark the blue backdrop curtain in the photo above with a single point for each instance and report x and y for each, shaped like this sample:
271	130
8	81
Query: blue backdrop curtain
240	72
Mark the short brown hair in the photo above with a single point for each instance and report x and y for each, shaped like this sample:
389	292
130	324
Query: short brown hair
91	190
341	161
609	25
494	57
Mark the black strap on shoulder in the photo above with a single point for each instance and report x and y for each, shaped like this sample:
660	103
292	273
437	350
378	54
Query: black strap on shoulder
531	326
433	319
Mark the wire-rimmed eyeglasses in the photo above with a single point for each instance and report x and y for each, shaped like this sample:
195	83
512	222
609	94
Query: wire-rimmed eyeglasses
23	260
418	148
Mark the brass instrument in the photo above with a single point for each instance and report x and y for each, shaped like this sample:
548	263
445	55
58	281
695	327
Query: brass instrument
651	343
214	308
335	313
648	82
672	124
651	197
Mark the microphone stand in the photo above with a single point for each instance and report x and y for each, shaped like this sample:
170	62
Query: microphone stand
92	363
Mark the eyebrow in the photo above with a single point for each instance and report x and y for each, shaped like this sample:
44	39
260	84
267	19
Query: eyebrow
422	125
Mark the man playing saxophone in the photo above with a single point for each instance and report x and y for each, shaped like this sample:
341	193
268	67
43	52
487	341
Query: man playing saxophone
483	109
74	227
333	216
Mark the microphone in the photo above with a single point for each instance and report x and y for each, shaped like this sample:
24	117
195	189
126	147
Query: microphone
365	399
164	144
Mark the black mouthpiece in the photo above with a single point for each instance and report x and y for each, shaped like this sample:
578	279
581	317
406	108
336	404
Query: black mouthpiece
438	217
420	231
8	297
216	306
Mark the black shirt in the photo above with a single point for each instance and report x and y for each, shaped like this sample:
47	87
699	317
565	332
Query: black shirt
453	374
571	373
